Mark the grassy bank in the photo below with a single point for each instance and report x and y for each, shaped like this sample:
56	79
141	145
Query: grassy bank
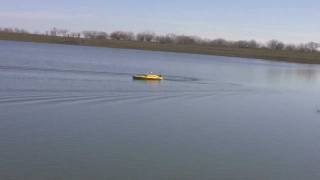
277	55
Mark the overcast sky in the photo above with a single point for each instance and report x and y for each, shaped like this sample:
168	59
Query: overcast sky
286	20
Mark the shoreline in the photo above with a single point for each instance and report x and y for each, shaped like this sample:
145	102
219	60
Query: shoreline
265	54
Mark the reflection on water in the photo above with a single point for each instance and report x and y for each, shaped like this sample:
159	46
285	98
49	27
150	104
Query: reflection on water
303	73
148	82
70	112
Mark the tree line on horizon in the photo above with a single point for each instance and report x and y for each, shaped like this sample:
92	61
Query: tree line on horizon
172	38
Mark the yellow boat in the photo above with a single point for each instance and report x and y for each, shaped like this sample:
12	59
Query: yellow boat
148	77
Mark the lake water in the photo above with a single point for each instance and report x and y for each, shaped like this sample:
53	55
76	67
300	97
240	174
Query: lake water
74	113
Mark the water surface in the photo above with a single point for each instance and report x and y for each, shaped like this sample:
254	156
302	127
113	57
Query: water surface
73	113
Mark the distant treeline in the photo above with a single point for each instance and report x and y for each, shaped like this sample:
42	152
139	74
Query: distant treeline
173	39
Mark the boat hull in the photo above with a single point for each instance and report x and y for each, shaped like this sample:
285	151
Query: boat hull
148	77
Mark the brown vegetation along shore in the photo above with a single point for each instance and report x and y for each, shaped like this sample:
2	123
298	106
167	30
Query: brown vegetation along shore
275	51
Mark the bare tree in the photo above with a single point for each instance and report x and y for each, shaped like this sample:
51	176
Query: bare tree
302	48
175	39
116	35
182	39
220	42
169	38
253	44
308	47
241	44
290	47
146	36
101	35
121	35
312	46
275	45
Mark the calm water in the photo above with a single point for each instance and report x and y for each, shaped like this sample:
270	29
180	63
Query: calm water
74	113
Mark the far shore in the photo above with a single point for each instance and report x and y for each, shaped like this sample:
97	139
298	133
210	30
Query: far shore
261	53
